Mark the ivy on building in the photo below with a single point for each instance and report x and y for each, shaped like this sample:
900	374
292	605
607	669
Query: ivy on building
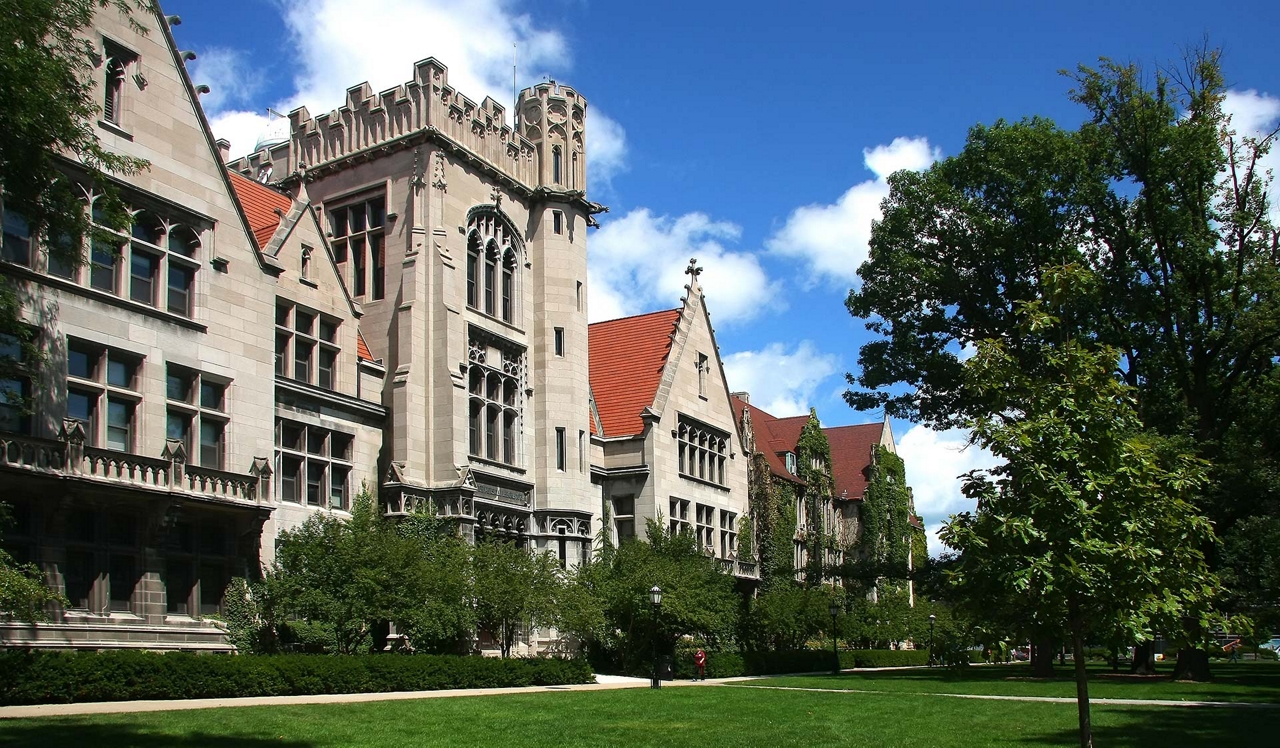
887	543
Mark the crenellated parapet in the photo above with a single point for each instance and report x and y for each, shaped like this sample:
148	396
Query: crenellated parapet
553	118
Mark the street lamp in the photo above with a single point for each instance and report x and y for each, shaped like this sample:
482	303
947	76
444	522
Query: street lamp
932	618
655	599
834	609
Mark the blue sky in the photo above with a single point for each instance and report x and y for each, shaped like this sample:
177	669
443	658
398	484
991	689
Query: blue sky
753	136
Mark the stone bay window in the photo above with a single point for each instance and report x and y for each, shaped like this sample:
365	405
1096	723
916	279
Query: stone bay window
495	375
702	450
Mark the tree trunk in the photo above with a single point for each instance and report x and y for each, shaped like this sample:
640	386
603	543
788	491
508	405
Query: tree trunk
1082	687
1042	658
1144	659
1193	664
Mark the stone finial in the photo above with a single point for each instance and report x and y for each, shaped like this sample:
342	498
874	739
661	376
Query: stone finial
693	270
72	431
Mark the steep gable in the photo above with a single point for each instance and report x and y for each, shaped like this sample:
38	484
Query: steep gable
773	436
263	207
626	358
851	450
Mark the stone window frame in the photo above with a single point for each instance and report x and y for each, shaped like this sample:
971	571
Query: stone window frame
117	63
728	534
198	412
621	519
704	526
678	519
494	283
701	451
15	389
364	247
100	384
155	236
310	449
495	401
562	449
319	336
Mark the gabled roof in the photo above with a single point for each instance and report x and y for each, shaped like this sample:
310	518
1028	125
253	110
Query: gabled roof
263	206
626	358
362	348
851	457
774	436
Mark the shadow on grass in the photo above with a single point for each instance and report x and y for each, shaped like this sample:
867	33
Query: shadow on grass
76	732
1185	727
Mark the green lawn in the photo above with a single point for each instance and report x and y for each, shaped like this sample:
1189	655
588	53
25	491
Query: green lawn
701	716
1244	681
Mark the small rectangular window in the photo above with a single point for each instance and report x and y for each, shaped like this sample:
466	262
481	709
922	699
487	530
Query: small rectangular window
559	341
121	371
211	443
17	239
180	280
143	268
561	450
119	424
578	296
557	222
102	268
582	451
212	394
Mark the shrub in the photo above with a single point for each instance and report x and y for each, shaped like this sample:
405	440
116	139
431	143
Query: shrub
28	677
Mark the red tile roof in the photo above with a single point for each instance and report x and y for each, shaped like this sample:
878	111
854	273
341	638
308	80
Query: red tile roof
362	348
626	357
260	204
772	435
851	457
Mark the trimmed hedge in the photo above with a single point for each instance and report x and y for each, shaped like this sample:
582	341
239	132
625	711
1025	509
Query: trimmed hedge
734	664
38	677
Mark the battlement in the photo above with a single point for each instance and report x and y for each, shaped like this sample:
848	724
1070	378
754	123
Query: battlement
553	117
388	119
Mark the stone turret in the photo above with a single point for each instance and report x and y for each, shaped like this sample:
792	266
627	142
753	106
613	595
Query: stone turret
553	118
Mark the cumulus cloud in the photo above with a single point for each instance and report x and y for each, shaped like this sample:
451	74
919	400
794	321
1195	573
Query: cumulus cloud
336	44
831	239
636	264
232	81
1256	115
934	462
606	151
780	382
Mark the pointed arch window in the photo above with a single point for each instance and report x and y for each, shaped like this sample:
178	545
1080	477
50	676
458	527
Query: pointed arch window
555	165
493	252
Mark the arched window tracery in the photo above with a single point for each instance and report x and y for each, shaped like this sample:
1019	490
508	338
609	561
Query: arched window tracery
493	253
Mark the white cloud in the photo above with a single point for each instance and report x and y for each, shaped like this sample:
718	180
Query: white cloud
636	263
228	73
606	151
336	44
1256	115
781	383
934	461
832	239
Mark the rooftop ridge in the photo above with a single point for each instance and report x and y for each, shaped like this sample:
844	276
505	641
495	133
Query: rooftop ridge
636	316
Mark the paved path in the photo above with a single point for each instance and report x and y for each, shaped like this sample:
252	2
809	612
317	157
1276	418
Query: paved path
603	683
1044	699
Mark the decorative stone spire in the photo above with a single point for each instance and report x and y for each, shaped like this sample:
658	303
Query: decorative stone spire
693	271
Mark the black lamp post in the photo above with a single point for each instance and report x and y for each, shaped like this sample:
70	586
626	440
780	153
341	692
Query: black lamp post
655	599
834	609
932	661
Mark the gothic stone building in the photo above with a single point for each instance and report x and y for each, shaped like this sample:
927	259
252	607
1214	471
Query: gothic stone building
389	296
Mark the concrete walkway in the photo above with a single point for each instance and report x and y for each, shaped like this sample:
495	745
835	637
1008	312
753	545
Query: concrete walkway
603	683
1043	699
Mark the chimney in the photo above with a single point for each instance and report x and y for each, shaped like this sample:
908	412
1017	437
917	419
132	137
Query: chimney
744	397
224	149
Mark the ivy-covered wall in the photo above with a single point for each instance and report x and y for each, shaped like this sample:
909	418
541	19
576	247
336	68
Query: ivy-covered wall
887	534
813	463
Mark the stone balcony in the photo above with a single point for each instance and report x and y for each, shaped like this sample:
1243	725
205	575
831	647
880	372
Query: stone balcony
68	458
740	569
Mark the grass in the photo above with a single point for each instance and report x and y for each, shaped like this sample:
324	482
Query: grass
703	716
1244	681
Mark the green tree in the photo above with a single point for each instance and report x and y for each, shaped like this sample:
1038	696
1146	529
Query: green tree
48	142
513	588
698	599
1088	522
1160	197
354	576
23	592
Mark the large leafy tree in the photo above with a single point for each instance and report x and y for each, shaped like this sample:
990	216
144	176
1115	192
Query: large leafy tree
1088	523
48	141
513	588
698	599
1167	205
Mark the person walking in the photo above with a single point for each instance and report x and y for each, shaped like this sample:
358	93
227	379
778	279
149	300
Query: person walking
700	661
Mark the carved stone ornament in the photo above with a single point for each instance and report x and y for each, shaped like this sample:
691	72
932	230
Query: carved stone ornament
437	173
